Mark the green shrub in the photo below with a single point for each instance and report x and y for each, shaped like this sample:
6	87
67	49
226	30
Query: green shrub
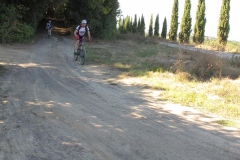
16	33
11	29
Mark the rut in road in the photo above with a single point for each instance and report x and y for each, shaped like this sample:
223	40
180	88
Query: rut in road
54	108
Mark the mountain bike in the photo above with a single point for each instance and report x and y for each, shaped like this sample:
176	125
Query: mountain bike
49	33
81	53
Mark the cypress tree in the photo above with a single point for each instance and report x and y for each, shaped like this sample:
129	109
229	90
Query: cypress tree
199	27
186	24
134	27
150	31
142	26
126	24
174	22
120	25
139	25
156	28
224	26
130	25
164	29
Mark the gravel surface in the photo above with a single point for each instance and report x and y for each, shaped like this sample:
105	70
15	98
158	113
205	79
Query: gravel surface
52	108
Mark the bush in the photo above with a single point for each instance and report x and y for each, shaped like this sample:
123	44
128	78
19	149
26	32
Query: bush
11	30
16	33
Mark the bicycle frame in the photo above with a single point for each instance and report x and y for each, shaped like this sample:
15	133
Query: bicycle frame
81	52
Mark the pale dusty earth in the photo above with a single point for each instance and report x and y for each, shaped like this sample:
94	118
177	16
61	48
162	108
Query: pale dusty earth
52	108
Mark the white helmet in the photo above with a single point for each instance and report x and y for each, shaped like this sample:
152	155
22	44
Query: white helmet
84	21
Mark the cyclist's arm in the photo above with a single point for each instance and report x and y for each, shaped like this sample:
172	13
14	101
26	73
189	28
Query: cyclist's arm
89	35
75	33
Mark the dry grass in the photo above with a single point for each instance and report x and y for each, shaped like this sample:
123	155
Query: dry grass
211	44
200	80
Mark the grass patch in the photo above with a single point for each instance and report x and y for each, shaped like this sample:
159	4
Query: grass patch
211	43
228	123
200	80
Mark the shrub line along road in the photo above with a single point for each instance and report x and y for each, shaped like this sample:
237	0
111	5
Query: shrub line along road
53	108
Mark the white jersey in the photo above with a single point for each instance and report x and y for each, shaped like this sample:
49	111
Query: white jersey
82	30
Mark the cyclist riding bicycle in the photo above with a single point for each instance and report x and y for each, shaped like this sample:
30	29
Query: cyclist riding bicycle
49	27
80	32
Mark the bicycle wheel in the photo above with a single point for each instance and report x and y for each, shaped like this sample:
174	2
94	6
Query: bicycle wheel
82	56
75	56
49	33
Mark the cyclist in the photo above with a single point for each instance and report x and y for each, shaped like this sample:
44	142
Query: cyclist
80	32
49	27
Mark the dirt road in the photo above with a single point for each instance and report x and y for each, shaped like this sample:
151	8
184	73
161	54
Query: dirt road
52	108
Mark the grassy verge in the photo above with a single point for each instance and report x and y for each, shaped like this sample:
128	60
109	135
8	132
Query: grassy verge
203	81
232	46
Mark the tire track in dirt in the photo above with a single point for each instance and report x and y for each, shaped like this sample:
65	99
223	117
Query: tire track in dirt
58	109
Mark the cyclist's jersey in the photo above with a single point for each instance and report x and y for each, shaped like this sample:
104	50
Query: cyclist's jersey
49	25
82	31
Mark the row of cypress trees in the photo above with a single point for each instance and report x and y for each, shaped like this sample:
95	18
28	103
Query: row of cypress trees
199	27
127	25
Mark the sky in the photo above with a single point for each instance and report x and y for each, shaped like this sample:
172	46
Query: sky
164	9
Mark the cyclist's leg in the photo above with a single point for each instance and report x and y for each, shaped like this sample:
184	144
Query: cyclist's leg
76	46
81	39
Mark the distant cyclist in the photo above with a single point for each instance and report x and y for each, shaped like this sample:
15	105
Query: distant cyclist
80	32
49	27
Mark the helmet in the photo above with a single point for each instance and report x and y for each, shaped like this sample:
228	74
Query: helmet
84	21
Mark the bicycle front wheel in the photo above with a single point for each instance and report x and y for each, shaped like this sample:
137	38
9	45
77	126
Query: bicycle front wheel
82	56
75	56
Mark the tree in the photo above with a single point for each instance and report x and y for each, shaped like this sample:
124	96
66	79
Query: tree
142	26
19	21
156	28
150	31
139	25
120	25
126	24
199	27
224	26
164	29
186	24
101	15
174	22
134	27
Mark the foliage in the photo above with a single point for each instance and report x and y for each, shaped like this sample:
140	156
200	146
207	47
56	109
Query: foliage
134	26
199	27
156	28
101	15
174	22
31	12
120	25
164	29
224	26
127	25
186	24
20	19
150	31
11	30
142	26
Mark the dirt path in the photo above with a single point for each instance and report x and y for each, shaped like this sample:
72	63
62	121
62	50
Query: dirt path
52	108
